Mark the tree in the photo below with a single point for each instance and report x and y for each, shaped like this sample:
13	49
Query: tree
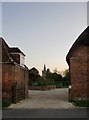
55	76
66	77
67	74
48	71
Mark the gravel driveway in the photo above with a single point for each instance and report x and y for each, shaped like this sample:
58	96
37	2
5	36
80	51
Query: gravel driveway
55	99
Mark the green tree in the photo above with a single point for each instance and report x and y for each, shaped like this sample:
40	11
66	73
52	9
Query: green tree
55	76
66	77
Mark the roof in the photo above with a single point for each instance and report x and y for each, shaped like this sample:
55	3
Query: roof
16	50
5	51
11	49
81	40
3	42
7	56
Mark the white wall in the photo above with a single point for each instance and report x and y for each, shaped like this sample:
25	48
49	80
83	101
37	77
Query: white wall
22	60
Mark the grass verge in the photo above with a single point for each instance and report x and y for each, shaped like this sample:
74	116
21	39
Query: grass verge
5	103
81	103
0	104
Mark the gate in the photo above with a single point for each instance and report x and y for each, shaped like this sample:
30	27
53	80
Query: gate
18	93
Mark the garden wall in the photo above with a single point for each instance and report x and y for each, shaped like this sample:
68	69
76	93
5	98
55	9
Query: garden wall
14	82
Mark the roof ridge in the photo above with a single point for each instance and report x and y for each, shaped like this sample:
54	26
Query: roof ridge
81	40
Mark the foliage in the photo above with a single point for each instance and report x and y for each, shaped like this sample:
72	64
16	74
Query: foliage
51	78
5	103
81	103
41	82
0	104
48	71
66	77
55	76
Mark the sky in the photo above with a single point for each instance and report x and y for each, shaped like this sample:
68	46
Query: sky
44	31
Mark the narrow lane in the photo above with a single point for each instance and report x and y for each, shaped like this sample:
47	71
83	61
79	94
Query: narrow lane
45	104
54	99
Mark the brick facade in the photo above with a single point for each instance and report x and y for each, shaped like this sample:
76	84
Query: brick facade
78	60
14	77
79	73
0	71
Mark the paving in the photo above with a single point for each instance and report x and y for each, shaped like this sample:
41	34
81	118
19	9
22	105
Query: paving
54	99
45	104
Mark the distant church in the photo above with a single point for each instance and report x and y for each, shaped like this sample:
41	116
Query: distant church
44	71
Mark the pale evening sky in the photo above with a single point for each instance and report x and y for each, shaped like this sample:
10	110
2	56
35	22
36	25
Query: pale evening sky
43	31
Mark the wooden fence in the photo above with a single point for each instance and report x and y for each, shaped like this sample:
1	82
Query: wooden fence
18	93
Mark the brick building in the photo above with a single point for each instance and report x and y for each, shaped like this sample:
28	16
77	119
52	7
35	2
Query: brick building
14	74
78	61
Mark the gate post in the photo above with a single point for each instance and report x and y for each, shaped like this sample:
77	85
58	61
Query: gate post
70	95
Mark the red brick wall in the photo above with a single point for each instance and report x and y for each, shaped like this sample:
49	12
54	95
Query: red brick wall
12	73
7	77
79	73
0	81
0	70
21	77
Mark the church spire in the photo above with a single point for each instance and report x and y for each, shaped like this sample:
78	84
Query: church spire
44	71
44	67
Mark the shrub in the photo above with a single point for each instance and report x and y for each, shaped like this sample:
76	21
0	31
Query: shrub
81	103
5	103
0	104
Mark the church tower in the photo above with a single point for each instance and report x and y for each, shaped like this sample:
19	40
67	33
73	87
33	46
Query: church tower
44	72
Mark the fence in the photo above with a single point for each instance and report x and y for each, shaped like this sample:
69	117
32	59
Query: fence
18	93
